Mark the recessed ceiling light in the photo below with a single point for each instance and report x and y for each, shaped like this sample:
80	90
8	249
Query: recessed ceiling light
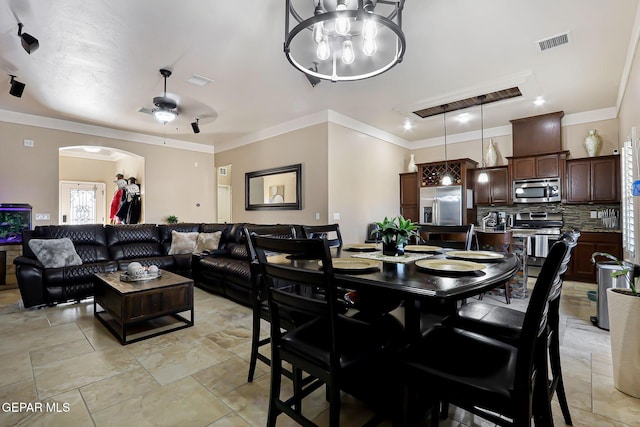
199	80
407	125
464	117
539	101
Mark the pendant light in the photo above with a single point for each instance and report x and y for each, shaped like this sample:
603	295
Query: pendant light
483	177
446	179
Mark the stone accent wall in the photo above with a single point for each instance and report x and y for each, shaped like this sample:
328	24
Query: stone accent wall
10	279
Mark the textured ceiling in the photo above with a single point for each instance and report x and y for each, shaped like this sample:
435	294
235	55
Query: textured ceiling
98	63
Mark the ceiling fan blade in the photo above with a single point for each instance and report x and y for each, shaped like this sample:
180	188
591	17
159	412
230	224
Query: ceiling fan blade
145	110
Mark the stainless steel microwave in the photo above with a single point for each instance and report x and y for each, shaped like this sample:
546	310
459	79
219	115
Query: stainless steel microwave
536	190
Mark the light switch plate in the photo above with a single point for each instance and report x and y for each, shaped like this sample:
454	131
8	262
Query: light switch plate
43	217
336	215
594	214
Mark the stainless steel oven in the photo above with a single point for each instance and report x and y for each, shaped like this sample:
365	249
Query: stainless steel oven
537	253
536	190
544	229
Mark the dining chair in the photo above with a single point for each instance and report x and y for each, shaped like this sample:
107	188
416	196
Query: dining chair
343	353
446	236
331	232
496	380
496	242
505	324
258	297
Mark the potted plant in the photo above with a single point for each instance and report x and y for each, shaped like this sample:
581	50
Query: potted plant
395	234
624	318
172	219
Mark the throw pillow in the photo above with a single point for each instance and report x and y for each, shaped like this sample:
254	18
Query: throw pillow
208	242
55	253
182	243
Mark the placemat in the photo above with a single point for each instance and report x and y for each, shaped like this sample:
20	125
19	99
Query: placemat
400	259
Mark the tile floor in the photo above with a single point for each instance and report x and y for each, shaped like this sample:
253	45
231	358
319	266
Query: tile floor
64	360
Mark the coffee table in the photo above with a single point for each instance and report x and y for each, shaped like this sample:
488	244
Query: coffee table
133	311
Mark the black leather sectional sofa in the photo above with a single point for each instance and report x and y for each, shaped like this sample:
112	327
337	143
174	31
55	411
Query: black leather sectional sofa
225	271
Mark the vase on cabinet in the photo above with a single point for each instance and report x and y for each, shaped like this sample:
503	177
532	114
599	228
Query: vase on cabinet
411	167
491	158
593	143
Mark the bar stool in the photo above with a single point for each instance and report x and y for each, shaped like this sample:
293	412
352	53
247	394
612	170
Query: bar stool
496	242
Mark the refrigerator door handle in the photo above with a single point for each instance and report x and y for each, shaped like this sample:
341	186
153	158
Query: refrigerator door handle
436	217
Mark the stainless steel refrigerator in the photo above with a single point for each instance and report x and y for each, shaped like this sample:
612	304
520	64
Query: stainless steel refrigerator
441	205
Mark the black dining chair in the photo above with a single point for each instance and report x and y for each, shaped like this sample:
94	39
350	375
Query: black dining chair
446	236
502	382
330	232
258	297
343	353
505	324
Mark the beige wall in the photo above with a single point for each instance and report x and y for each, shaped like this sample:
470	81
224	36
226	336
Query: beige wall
172	184
307	146
364	183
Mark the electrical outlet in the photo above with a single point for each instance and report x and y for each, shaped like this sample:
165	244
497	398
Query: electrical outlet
28	142
336	215
317	216
43	217
594	214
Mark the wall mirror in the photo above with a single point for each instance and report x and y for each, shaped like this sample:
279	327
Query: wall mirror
273	189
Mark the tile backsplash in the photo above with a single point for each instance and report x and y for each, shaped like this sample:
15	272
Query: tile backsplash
578	216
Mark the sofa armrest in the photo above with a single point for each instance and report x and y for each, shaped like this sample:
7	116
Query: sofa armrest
23	260
30	283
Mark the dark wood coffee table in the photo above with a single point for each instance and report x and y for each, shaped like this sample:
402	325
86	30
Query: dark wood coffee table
134	311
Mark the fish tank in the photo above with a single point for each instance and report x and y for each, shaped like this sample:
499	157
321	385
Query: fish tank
14	218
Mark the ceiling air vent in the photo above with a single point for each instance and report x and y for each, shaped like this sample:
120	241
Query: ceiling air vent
554	41
222	171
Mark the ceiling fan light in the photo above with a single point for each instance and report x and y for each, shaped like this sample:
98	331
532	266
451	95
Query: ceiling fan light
163	115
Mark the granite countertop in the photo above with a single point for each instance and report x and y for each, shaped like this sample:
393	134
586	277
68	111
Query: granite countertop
519	232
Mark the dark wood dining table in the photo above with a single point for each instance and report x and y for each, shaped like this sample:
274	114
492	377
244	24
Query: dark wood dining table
419	287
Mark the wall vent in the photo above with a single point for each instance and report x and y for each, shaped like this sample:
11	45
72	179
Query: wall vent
554	41
222	171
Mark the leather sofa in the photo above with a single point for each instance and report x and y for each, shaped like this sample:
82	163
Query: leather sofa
225	271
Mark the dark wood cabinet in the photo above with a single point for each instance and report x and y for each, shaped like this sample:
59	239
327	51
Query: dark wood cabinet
409	195
593	180
543	166
496	190
580	268
537	135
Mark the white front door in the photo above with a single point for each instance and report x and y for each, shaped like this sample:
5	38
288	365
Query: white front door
82	203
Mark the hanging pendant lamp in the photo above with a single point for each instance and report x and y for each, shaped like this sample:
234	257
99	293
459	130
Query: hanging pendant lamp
446	179
483	177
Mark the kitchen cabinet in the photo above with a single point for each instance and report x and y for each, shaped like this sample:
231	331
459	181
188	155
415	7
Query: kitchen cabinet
537	135
580	268
542	166
496	190
593	180
409	195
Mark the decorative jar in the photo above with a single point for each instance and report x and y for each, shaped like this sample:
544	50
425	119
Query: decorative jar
411	167
593	143
491	158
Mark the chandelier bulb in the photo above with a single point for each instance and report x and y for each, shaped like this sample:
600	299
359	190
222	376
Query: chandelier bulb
446	180
369	47
342	24
483	177
318	32
323	51
348	55
369	29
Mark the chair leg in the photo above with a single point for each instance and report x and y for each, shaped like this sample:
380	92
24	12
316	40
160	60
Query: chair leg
435	414
334	404
255	345
507	292
557	384
297	390
274	393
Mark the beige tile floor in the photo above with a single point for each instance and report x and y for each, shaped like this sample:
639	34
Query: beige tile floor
64	360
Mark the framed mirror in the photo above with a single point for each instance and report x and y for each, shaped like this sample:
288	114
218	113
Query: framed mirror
274	189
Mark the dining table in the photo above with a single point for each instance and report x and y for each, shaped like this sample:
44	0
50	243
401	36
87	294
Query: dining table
424	280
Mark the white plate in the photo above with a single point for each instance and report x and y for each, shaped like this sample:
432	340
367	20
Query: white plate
422	248
486	256
360	247
353	265
450	266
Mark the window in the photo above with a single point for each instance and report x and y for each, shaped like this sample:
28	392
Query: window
628	209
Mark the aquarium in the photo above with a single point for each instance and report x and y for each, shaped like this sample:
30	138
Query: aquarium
14	217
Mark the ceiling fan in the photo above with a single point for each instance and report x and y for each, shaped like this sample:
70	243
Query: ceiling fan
166	109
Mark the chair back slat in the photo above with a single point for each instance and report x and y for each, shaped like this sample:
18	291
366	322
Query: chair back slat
446	236
330	232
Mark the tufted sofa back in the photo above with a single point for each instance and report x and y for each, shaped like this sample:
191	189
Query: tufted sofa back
90	240
133	241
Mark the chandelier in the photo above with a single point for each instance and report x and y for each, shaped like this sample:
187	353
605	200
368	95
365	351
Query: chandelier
344	40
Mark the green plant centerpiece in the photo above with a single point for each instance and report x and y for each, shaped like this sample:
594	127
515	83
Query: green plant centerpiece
623	306
395	234
172	219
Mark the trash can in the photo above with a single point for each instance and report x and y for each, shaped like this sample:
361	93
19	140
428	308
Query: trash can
604	282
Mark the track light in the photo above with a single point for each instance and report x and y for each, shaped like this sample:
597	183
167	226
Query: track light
196	126
29	43
16	87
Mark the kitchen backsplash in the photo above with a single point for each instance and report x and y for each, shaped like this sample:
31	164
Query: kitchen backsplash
573	215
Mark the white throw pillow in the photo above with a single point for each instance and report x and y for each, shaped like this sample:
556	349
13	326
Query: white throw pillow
55	253
208	242
183	243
